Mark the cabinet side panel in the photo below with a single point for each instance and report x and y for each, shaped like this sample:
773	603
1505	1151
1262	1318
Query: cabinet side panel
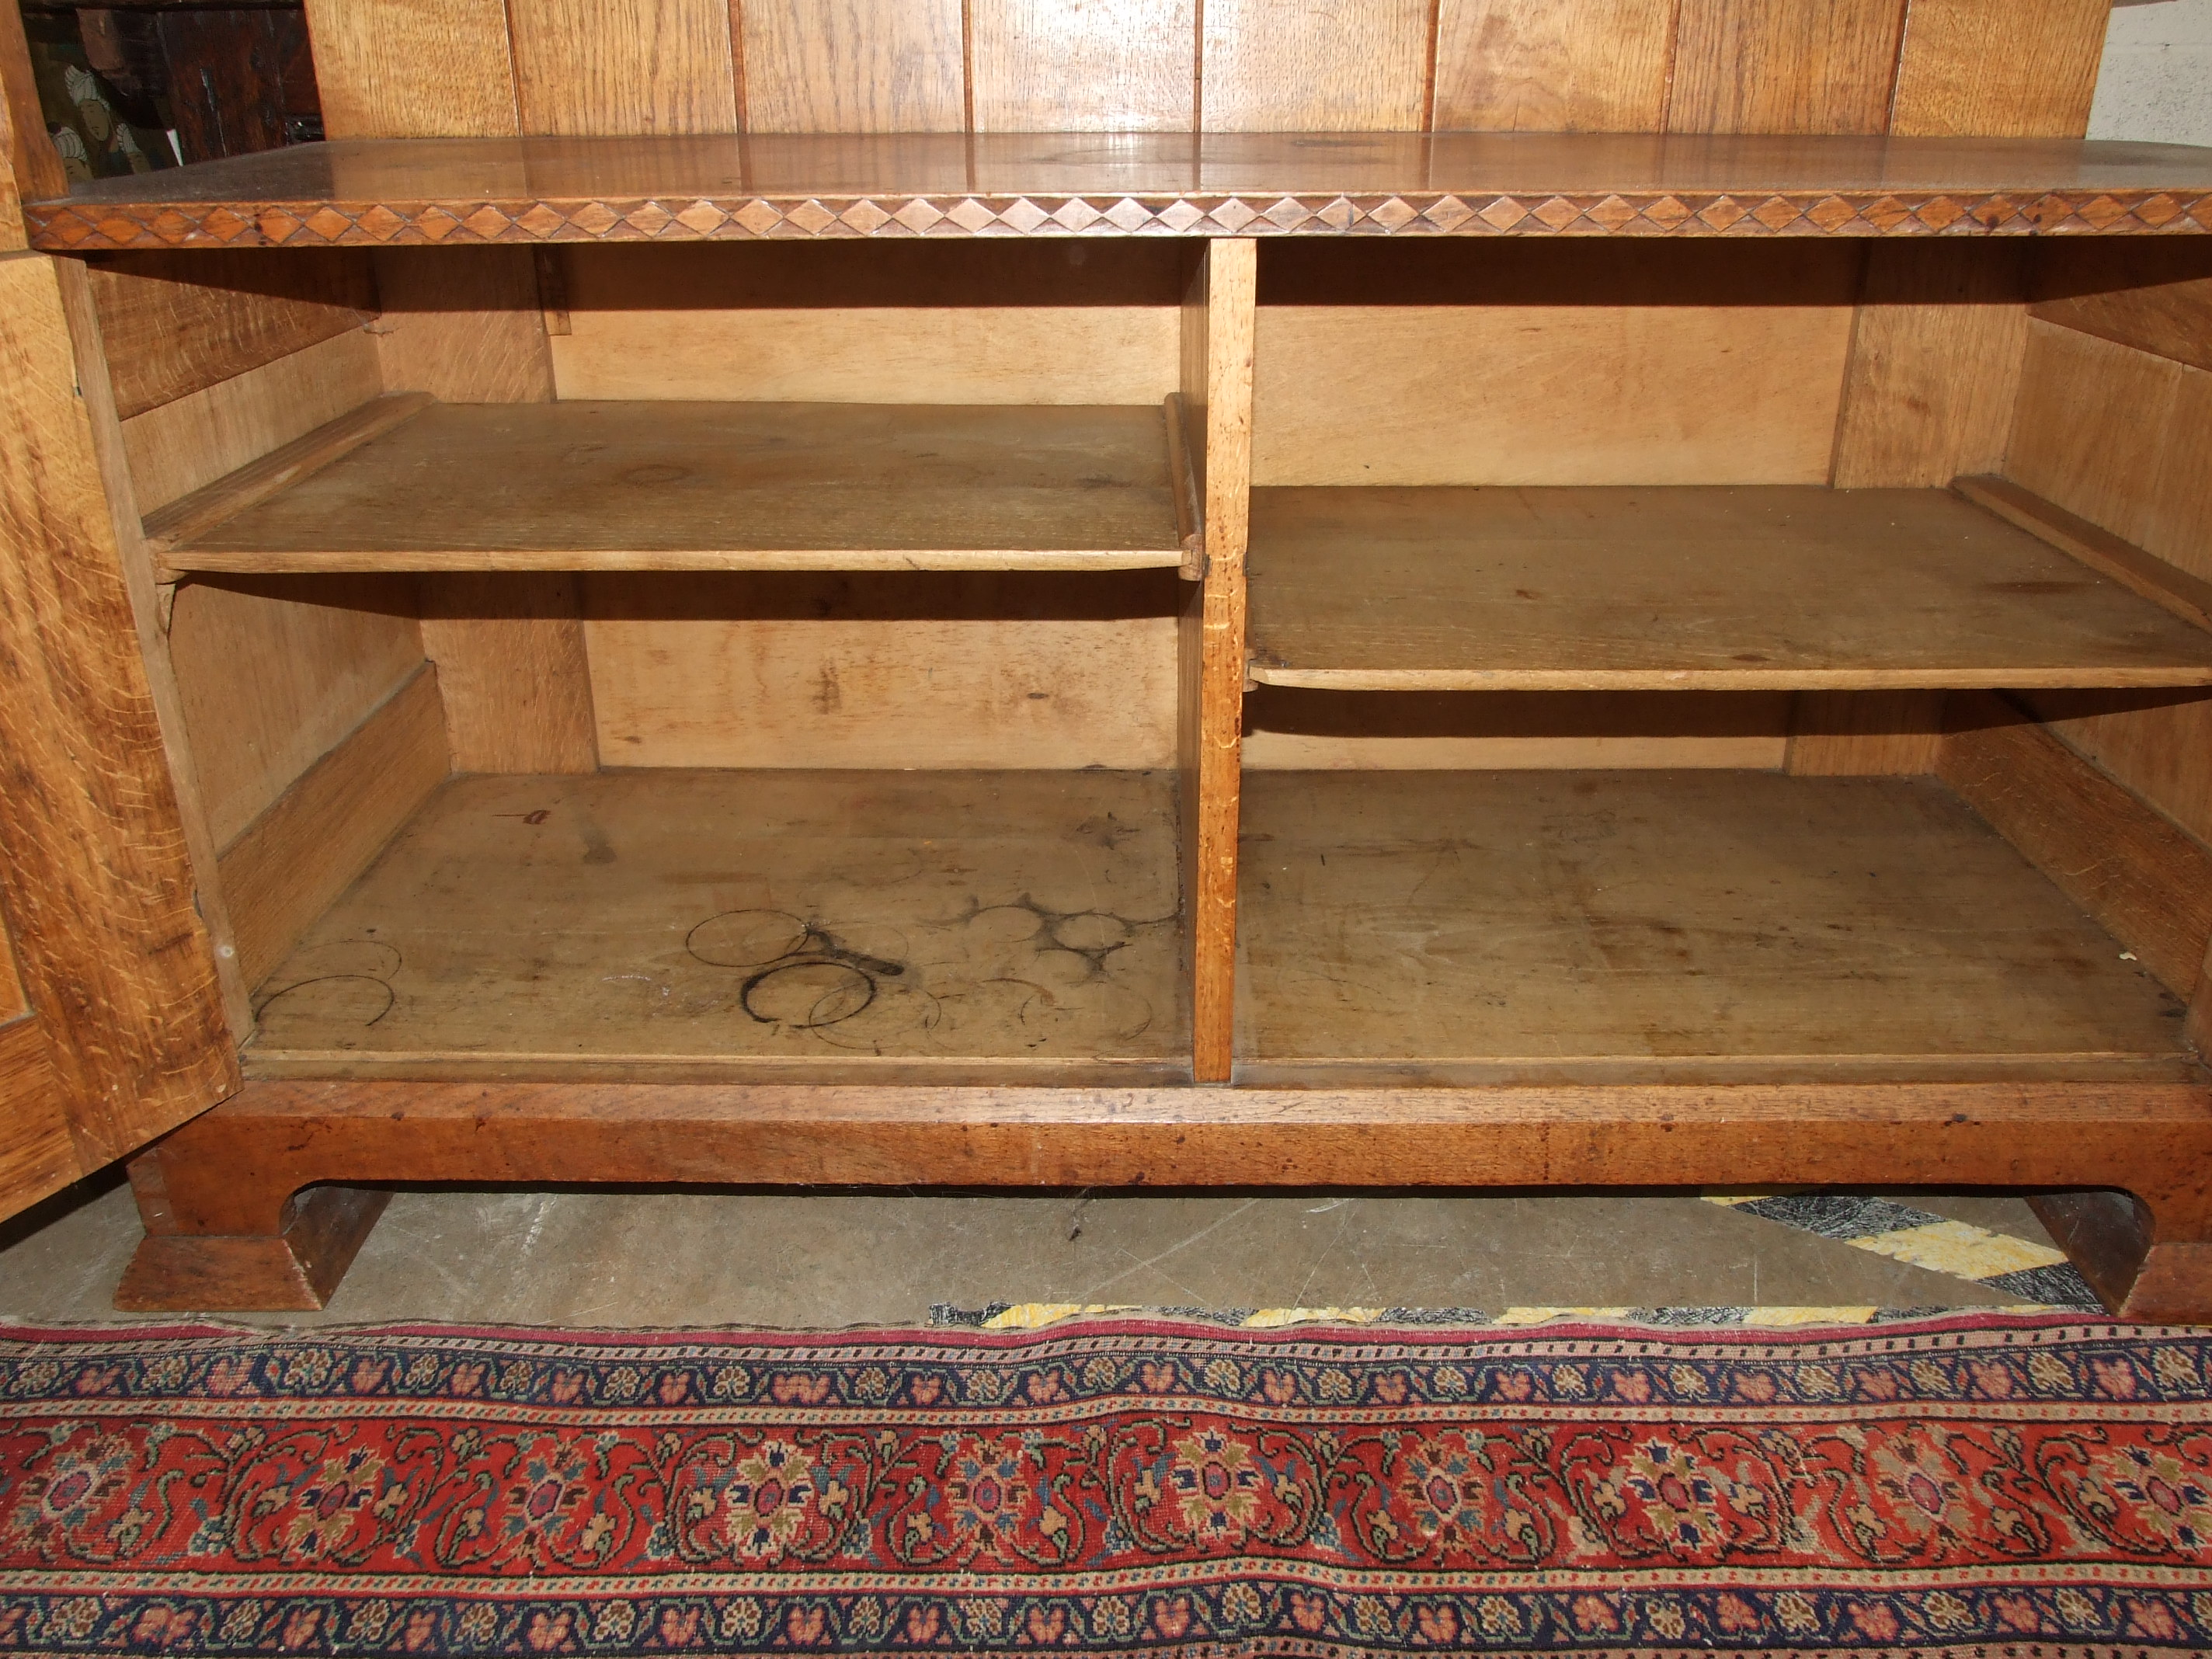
2026	68
37	1156
1077	66
1315	66
30	166
115	960
1553	66
398	69
853	66
1810	66
2153	293
627	67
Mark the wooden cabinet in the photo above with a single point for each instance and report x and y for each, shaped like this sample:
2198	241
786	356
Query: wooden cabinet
1171	655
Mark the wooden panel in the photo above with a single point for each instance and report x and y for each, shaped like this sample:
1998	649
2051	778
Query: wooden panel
2147	882
1797	66
1553	66
1646	366
1934	366
852	66
1296	730
794	923
1080	66
2089	428
2181	498
393	69
177	448
1218	395
295	860
2173	589
1315	66
1858	734
272	671
30	166
2155	742
1410	185
178	323
921	671
13	1006
623	66
466	327
668	486
37	1156
1564	927
2026	68
1679	589
2155	296
118	968
513	672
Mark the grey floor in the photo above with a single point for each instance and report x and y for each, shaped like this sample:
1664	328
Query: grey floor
825	1260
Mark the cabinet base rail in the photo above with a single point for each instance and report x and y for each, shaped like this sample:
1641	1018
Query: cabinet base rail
262	1202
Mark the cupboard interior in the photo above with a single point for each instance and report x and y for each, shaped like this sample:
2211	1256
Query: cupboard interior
533	779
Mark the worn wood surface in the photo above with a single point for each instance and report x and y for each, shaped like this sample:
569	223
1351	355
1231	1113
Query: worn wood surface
1287	729
294	1271
227	1176
1859	734
979	669
177	323
926	323
272	671
396	70
117	966
1569	394
512	670
2139	1261
288	867
193	441
1218	395
1056	65
2121	438
2146	882
2165	585
1808	66
37	1154
1553	66
2019	70
1566	926
466	329
769	186
2156	743
1715	589
622	66
207	508
813	925
852	66
1934	366
643	486
2155	296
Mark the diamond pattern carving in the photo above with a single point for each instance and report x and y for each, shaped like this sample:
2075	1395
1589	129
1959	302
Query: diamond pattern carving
66	227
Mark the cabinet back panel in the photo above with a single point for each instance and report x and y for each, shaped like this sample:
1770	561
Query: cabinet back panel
1071	323
1529	364
992	672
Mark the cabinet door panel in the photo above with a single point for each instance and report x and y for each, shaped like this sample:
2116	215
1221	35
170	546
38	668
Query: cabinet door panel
124	1033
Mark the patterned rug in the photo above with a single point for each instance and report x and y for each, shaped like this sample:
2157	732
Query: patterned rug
1977	1484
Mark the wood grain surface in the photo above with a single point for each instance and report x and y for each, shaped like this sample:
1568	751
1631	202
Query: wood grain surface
1075	65
2026	68
1553	66
512	670
813	925
30	166
1716	589
655	67
388	70
1803	66
1315	66
1553	927
2155	296
853	66
687	486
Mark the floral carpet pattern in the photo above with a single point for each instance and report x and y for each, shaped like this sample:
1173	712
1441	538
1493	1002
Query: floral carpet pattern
1968	1485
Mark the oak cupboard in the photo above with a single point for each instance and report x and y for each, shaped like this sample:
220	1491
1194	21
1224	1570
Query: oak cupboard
1466	596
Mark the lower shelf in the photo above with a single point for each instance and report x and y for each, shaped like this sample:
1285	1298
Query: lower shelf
1666	927
803	927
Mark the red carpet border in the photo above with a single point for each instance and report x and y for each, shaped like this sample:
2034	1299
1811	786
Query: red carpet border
1967	1485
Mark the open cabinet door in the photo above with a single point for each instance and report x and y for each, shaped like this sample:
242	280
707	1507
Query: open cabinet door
112	1023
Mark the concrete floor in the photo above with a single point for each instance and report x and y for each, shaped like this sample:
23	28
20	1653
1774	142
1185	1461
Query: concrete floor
824	1261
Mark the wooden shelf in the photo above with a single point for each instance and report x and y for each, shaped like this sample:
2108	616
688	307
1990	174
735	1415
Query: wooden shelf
1690	588
453	191
805	926
1667	928
407	484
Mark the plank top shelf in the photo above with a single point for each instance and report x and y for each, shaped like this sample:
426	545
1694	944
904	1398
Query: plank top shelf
451	191
408	484
1705	588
